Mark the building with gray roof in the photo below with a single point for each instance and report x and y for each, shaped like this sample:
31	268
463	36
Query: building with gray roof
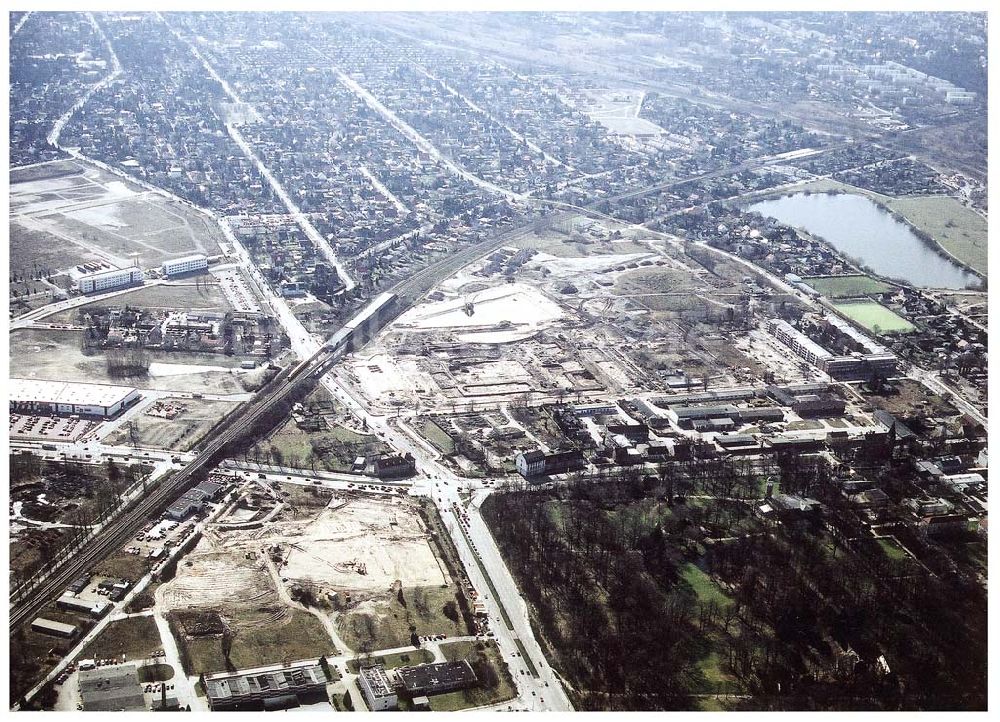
111	689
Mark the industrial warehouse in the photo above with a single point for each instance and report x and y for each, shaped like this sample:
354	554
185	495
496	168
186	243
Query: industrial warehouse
265	689
61	397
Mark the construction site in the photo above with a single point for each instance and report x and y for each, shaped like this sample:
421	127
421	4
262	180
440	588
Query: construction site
584	309
296	563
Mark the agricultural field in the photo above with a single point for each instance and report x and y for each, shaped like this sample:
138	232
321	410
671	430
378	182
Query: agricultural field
875	317
93	214
180	432
850	286
960	230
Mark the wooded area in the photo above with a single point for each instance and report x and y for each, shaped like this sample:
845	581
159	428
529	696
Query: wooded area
668	592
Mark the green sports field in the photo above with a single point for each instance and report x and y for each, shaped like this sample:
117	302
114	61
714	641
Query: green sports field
875	317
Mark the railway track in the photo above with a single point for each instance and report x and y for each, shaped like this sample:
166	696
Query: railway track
407	292
118	532
125	526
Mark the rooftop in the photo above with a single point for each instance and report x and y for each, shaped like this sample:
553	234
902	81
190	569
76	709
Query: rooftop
110	689
427	677
64	392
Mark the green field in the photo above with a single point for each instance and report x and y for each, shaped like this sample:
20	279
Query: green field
432	431
852	286
706	589
875	317
257	642
960	230
399	659
892	549
135	638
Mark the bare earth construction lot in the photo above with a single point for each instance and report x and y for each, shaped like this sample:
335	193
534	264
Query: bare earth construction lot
78	213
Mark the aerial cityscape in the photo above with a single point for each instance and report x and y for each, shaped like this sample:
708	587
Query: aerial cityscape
507	361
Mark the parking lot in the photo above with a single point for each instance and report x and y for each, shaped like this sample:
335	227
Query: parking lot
237	290
56	428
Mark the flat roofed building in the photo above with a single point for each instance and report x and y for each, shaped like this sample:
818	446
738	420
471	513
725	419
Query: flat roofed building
79	584
75	604
191	501
108	280
538	463
798	342
210	489
63	397
111	689
376	688
187	264
428	679
251	689
56	629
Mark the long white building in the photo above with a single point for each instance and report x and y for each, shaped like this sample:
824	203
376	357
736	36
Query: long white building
63	397
108	280
187	264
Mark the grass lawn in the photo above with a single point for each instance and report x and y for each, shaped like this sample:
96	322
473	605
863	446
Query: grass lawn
851	286
892	549
719	681
136	638
123	566
399	659
497	688
875	317
804	425
960	230
391	621
335	449
706	589
436	435
180	433
300	637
